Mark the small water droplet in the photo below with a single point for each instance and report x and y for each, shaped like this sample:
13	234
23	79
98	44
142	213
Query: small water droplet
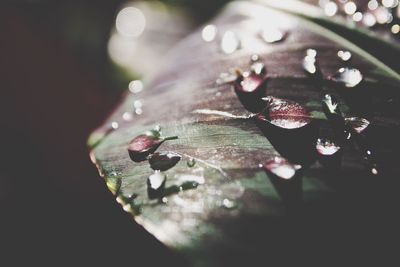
127	116
191	162
358	16
164	200
135	86
349	77
272	35
390	3
137	104
330	8
114	125
229	204
282	168
230	42
383	15
157	128
395	29
373	4
326	147
258	68
374	171
369	19
209	33
138	111
309	61
350	8
344	55
254	58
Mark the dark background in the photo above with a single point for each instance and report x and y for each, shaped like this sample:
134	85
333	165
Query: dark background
56	85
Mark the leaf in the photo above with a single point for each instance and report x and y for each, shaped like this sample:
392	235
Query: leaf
218	206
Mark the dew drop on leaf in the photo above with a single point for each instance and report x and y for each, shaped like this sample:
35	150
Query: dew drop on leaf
358	124
349	77
326	147
230	42
163	161
156	183
272	35
281	167
191	162
344	56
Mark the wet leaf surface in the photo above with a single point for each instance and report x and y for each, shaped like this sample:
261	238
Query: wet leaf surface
218	206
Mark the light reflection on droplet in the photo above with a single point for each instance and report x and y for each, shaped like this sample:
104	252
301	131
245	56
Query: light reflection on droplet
373	4
228	204
330	8
374	171
344	55
135	86
130	22
282	168
390	3
114	125
349	77
383	15
395	29
138	111
272	35
358	16
258	68
325	147
369	20
309	61
127	116
230	42
350	8
209	32
138	104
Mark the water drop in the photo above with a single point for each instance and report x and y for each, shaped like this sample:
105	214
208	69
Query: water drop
228	204
230	42
156	184
358	124
310	62
349	77
284	113
143	145
163	160
250	88
350	8
209	33
358	16
157	128
344	55
281	168
164	200
369	19
191	162
137	104
330	8
138	111
114	125
258	68
373	4
272	35
135	86
390	3
326	147
395	29
254	58
127	116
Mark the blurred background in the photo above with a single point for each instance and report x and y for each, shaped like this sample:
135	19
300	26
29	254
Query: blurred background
64	65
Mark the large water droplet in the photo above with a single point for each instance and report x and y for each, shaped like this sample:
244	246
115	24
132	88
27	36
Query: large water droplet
143	145
330	8
230	42
284	113
349	77
156	184
272	35
358	124
164	160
